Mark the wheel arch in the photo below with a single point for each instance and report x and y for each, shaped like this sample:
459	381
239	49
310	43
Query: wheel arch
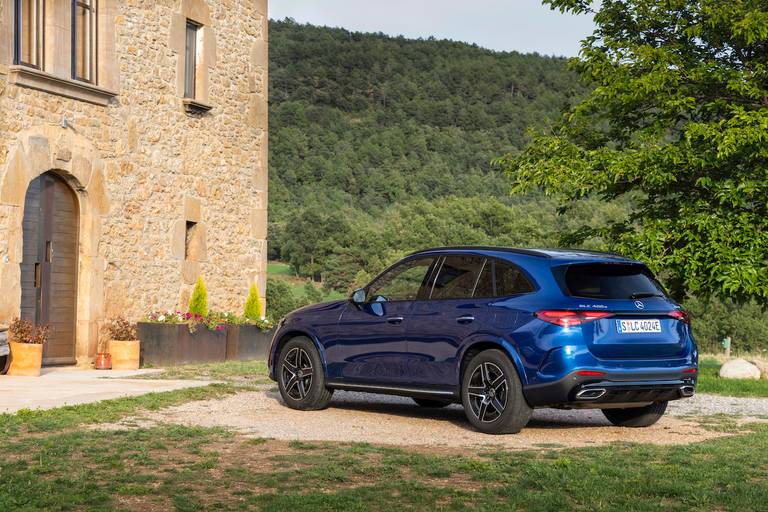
285	337
477	346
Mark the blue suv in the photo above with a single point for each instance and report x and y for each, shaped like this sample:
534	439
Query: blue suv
499	330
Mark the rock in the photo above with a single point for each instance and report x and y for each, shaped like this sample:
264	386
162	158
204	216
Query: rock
762	366
739	369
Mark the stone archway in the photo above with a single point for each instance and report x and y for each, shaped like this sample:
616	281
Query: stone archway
73	159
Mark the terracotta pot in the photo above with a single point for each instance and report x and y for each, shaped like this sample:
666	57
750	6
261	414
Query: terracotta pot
26	359
125	354
103	361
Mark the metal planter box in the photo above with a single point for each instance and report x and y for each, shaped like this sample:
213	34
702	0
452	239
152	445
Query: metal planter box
172	345
247	343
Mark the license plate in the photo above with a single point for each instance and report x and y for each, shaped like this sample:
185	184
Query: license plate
638	326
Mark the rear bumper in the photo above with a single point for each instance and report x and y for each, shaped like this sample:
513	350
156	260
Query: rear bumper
611	390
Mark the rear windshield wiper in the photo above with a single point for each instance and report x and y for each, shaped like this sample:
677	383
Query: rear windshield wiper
645	295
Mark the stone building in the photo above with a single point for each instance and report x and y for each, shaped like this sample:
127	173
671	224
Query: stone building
133	159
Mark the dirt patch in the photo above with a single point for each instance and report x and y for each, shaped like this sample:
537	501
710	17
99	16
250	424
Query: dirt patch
377	419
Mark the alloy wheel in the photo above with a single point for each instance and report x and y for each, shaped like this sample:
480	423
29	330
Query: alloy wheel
488	392
296	373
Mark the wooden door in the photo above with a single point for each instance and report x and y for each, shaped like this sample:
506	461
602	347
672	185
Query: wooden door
49	264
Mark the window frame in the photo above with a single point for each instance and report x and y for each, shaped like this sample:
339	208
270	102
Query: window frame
436	274
429	277
191	57
39	36
488	259
92	7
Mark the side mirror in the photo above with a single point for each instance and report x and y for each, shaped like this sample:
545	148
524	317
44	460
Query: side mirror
358	296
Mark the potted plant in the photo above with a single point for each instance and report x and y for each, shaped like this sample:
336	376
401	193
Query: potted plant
249	337
124	344
103	358
26	341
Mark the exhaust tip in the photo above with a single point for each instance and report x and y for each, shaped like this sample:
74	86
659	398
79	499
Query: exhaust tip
590	394
687	391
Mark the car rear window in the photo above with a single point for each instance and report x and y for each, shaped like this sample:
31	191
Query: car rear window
611	281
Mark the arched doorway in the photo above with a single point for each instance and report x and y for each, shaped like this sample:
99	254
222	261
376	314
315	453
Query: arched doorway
49	264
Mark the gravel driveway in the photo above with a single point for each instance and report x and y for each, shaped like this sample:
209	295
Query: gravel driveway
380	419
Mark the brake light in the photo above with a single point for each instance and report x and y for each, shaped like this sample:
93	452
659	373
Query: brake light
565	318
690	370
681	315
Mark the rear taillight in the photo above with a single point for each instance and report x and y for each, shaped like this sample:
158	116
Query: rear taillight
680	315
565	318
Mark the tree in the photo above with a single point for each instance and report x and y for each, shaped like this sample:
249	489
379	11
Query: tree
677	119
198	302
253	309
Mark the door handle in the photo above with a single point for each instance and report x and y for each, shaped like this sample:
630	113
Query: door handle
395	319
466	319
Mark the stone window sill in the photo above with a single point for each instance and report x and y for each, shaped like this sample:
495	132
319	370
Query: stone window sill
193	106
35	79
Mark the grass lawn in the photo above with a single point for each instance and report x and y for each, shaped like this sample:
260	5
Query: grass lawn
710	382
183	468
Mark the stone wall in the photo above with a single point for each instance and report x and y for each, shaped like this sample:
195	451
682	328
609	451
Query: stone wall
151	165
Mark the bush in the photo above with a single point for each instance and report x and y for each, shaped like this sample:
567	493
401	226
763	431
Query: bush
253	308
198	302
120	329
23	331
280	299
713	320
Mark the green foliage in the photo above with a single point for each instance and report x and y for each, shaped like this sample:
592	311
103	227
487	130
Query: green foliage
253	309
713	320
280	299
198	302
312	294
363	124
678	115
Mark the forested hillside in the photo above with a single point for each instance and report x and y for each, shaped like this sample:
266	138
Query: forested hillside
380	146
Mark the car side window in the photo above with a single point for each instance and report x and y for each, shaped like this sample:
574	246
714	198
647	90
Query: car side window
457	277
402	282
501	279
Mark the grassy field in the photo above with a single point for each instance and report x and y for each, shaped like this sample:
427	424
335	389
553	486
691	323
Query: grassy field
283	272
60	460
710	382
173	467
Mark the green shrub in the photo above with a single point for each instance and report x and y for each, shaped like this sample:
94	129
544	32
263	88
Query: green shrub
280	299
713	320
311	292
198	302
253	309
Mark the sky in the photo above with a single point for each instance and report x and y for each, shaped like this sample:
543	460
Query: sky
521	25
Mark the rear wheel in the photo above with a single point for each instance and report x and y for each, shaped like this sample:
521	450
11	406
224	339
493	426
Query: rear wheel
301	378
430	403
493	395
636	417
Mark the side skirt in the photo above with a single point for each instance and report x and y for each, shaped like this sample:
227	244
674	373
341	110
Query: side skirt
396	390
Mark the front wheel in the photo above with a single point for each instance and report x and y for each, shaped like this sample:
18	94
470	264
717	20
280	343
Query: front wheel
636	417
493	395
301	378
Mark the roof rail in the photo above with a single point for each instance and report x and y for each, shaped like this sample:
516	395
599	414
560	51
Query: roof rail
526	252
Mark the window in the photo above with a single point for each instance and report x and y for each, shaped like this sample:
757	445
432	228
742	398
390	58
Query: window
404	282
190	60
611	281
84	40
28	41
501	279
458	277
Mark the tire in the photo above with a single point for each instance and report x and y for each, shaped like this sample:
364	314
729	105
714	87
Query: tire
300	376
636	417
430	403
501	411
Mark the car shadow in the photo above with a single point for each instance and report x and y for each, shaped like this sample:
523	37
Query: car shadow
543	419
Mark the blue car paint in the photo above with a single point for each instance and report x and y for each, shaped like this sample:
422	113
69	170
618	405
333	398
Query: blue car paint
360	345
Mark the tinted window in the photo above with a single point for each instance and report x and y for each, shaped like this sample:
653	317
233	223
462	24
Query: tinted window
611	281
501	279
457	277
402	282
